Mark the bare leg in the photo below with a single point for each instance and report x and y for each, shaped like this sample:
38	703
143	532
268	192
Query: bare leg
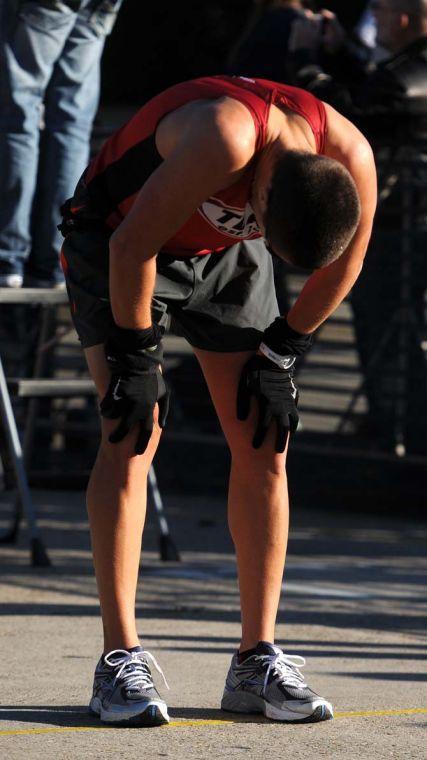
116	502
257	501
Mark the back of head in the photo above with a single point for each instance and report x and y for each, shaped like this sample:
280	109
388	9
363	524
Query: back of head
313	209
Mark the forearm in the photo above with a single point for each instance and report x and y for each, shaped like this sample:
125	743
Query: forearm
132	281
324	291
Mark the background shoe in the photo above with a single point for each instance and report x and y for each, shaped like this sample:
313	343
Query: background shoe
11	280
123	690
270	682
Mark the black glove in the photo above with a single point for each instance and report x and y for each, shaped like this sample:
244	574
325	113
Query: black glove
270	381
285	341
277	397
137	384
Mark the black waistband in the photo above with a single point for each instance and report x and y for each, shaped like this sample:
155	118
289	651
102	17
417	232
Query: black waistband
72	222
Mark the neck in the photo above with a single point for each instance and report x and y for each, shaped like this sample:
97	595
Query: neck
290	131
286	131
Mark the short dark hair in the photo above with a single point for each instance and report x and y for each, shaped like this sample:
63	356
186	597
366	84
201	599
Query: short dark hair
313	209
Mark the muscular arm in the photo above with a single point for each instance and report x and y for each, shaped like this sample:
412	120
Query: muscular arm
326	288
212	147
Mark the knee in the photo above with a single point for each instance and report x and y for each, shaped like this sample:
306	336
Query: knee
120	457
254	464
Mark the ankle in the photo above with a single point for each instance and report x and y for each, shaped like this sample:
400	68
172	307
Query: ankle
262	647
252	643
120	642
243	654
245	646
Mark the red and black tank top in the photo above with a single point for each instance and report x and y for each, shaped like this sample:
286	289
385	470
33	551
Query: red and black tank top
109	186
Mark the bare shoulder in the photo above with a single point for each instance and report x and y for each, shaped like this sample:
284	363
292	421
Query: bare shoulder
346	144
344	141
223	126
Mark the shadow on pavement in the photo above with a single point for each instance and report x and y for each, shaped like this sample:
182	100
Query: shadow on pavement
383	621
344	570
381	676
71	716
297	642
63	715
310	653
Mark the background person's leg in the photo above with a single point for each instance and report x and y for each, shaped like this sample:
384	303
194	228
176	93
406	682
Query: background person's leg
116	502
71	103
32	38
257	503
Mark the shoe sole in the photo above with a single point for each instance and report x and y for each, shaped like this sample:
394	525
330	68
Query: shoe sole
153	714
252	704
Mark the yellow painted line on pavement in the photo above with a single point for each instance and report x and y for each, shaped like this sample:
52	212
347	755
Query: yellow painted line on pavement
196	722
375	713
173	723
19	731
184	723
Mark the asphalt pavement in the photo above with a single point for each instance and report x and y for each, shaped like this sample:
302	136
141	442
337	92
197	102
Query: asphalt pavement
353	604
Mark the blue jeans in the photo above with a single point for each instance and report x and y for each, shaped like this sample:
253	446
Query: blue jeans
49	91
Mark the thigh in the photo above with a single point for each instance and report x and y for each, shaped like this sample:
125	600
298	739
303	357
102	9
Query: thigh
98	368
35	34
222	373
99	15
233	299
73	92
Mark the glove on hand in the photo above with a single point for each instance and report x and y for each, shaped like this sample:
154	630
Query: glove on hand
277	397
270	381
285	341
137	384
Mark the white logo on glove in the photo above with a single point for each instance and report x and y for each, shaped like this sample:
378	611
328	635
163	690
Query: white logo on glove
284	362
115	396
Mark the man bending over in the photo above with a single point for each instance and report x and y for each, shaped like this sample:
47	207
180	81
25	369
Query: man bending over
172	218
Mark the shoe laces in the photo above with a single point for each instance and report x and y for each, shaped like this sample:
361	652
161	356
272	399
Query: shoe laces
133	667
285	666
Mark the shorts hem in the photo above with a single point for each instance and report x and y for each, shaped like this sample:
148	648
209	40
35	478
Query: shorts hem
224	349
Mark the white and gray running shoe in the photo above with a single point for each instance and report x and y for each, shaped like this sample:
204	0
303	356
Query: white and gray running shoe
269	682
123	689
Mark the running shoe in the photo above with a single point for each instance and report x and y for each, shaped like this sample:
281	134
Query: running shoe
270	682
123	689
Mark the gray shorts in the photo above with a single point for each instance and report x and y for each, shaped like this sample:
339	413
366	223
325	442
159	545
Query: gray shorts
218	301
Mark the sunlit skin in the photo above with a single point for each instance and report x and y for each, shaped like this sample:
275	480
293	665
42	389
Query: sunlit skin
207	146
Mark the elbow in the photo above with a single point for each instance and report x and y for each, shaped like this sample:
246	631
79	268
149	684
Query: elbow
355	269
348	268
356	265
350	271
121	247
